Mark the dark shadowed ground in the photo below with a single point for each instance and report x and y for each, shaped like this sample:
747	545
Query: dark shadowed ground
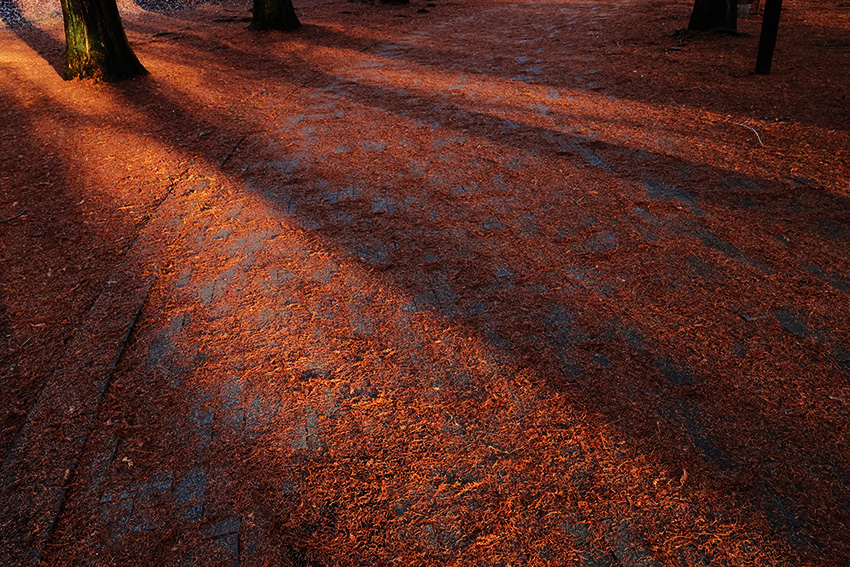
477	283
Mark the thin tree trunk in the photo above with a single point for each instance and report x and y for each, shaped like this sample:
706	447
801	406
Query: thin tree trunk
96	46
274	15
714	14
767	39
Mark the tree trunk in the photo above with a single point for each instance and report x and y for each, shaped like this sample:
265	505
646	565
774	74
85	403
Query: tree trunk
714	14
274	15
95	44
767	39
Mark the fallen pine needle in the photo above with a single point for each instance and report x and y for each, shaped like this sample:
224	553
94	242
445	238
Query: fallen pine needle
17	216
751	128
227	157
502	451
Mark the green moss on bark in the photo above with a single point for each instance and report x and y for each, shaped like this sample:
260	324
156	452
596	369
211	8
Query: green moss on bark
96	46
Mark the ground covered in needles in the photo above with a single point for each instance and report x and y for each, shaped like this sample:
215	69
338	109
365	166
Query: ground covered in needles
448	283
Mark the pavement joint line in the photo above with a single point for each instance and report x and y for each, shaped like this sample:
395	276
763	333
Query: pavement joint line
65	398
72	470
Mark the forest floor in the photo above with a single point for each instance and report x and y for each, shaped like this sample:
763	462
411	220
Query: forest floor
452	283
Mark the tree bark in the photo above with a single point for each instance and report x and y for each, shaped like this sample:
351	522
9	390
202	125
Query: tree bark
714	14
767	39
274	15
96	46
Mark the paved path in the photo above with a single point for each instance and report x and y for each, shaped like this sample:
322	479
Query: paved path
455	315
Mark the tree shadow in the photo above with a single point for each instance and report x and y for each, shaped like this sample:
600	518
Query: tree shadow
551	297
588	357
42	43
48	286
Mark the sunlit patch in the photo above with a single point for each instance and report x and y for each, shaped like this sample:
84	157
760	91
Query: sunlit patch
422	300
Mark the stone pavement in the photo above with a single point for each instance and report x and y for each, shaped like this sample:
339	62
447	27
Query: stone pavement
408	322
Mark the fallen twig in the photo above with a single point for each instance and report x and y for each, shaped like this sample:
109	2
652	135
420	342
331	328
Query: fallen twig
751	128
498	450
227	157
17	216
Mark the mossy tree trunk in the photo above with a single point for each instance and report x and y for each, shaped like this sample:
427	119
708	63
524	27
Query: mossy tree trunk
274	15
96	46
714	14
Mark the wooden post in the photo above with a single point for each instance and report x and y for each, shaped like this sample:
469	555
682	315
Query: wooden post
767	40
